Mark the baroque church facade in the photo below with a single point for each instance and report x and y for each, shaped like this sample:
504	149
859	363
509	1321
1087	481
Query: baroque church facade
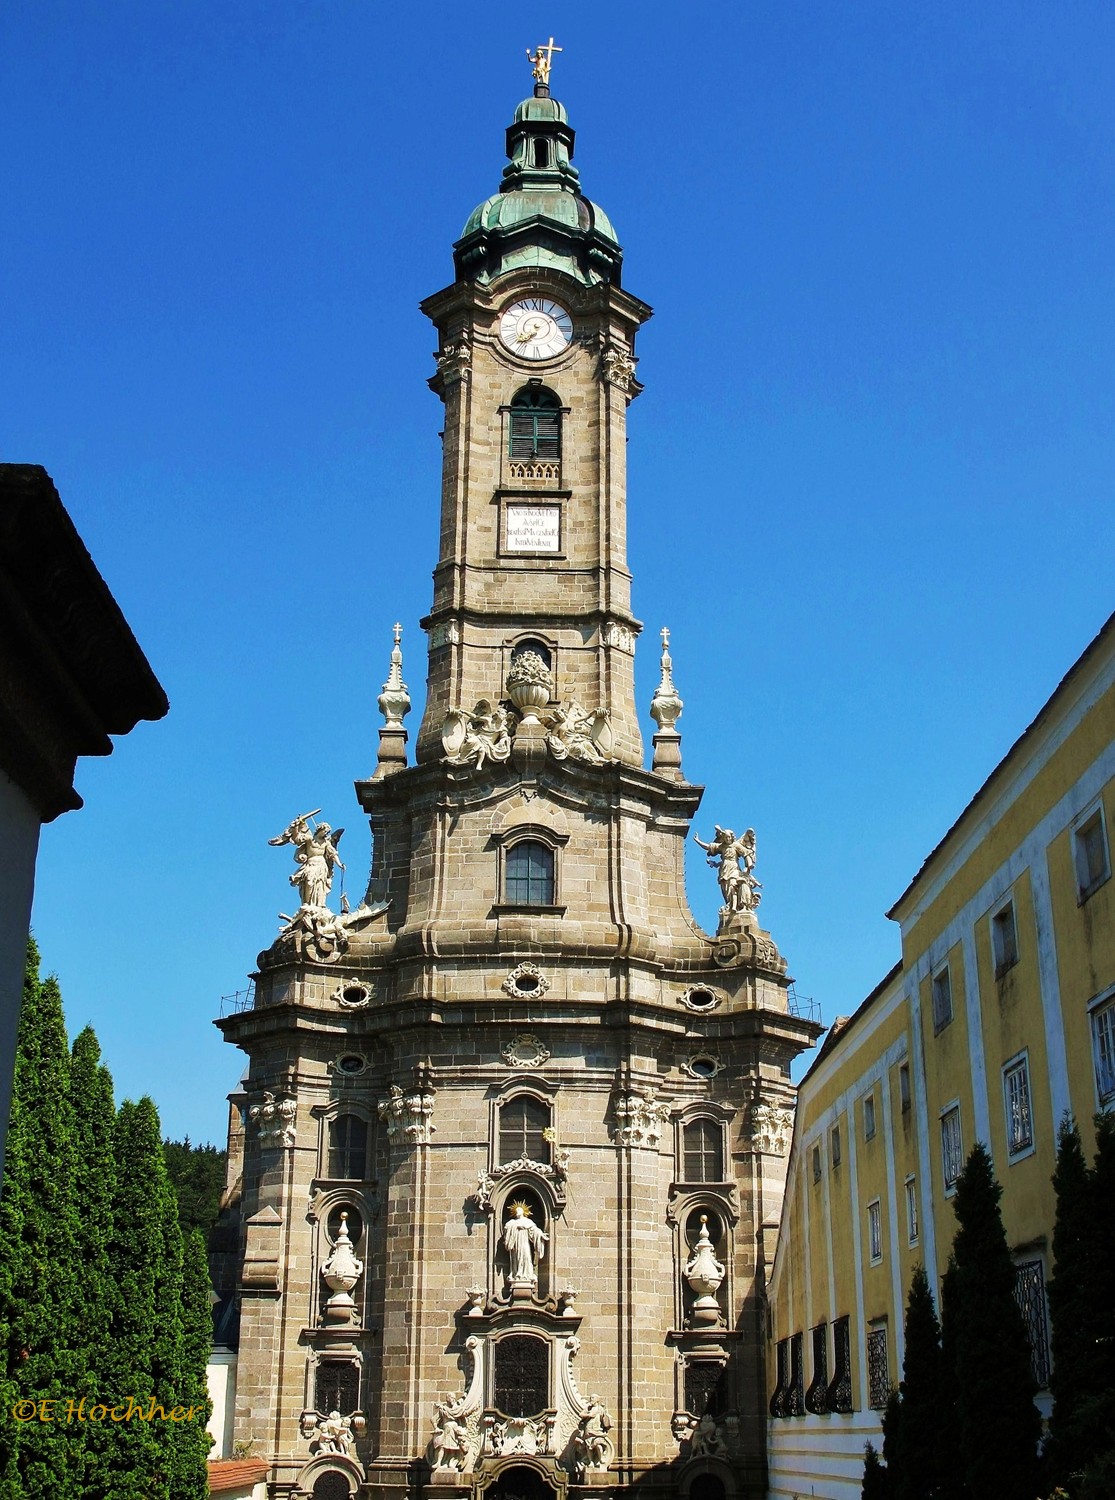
511	1140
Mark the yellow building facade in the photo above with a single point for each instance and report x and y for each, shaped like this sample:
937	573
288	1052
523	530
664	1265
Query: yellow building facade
998	1020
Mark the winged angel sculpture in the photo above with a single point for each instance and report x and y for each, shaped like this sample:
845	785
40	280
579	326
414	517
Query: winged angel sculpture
314	931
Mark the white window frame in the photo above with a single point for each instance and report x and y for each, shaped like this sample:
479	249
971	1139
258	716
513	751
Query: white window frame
1000	962
905	1088
911	1210
870	1124
875	1231
943	973
951	1111
1101	1018
1080	827
1018	1067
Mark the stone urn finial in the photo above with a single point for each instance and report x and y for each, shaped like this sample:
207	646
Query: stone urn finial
704	1274
341	1272
394	701
530	684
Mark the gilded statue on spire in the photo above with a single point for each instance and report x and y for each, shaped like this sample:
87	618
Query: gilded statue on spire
542	61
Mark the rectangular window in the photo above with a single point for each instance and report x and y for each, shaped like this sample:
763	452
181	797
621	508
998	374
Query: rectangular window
834	1145
912	1210
816	1163
952	1147
878	1373
1029	1293
869	1116
1093	865
1103	1050
840	1391
875	1231
942	999
904	1086
1004	940
1016	1098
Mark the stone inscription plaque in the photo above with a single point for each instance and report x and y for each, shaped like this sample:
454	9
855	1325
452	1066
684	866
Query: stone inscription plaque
532	528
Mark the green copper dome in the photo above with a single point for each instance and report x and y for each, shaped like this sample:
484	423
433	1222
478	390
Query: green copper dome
539	216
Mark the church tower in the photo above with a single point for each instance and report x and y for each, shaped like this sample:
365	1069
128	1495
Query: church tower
511	1140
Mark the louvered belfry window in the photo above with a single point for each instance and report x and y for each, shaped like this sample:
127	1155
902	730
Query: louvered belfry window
535	424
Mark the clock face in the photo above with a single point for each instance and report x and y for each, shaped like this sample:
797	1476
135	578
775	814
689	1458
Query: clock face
535	328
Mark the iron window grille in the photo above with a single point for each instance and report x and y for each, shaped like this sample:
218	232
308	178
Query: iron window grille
704	1387
702	1151
795	1403
816	1397
348	1154
952	1147
1020	1127
778	1401
522	1375
840	1387
337	1386
878	1373
528	878
523	1122
1029	1293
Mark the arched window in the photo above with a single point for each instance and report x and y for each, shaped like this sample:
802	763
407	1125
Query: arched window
539	648
348	1147
535	424
523	1121
529	874
541	154
702	1151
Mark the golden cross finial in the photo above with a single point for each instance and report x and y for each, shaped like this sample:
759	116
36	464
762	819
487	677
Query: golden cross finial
542	61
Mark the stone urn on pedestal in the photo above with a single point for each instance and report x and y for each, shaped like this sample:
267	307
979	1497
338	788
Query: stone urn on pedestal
704	1274
530	684
341	1272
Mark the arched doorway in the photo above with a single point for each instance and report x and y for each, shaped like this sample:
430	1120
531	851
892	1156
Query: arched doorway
520	1482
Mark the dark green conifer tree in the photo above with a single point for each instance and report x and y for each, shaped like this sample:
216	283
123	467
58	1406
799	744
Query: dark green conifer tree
916	1469
135	1256
39	1278
876	1480
999	1425
94	1117
197	1341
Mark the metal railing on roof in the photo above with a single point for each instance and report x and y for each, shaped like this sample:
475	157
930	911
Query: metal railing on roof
238	1001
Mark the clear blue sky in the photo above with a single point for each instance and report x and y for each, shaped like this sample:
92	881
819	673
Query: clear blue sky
870	477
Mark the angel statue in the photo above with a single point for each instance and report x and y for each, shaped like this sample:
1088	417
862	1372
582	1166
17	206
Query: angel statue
734	860
450	1441
315	855
581	735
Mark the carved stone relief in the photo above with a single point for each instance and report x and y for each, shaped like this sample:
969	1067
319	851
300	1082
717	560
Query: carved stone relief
771	1129
526	1051
274	1120
640	1118
409	1115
